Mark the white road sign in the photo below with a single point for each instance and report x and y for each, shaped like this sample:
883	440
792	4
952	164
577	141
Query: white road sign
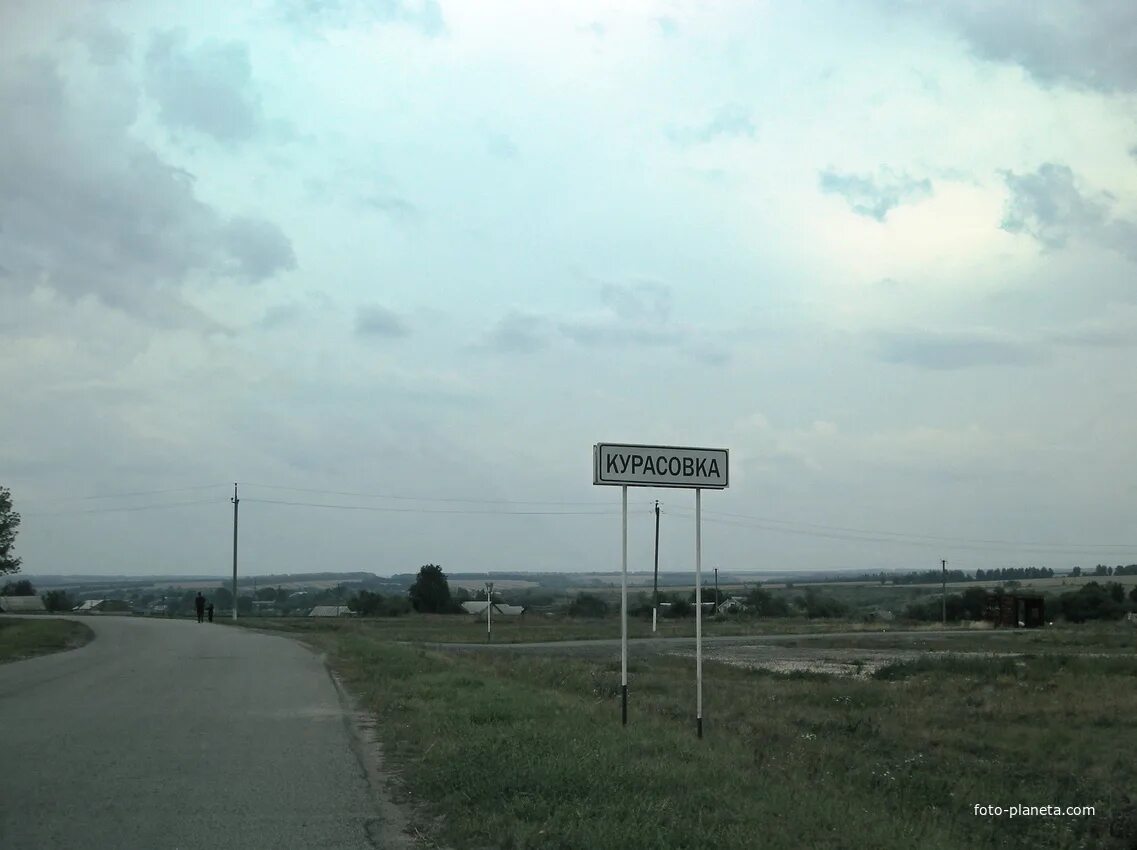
632	465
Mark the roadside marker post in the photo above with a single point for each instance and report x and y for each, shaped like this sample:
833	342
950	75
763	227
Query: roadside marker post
637	465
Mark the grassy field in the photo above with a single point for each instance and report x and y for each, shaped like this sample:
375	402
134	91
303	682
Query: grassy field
510	751
440	628
26	637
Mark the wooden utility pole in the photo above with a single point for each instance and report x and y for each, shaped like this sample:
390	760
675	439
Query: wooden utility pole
943	592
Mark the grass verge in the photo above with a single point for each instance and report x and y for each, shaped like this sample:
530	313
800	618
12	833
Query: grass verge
511	751
26	637
452	628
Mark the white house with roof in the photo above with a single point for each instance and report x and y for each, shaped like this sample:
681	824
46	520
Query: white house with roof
479	609
330	611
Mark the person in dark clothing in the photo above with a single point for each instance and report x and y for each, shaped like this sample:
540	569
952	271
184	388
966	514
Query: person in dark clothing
199	604
209	611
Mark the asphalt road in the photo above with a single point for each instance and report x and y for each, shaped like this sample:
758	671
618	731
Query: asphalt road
171	734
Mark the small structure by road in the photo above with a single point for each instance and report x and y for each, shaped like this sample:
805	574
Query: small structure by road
21	604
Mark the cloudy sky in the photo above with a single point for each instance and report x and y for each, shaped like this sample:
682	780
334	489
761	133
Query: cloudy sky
412	258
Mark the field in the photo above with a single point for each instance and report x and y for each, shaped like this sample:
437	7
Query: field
499	747
25	637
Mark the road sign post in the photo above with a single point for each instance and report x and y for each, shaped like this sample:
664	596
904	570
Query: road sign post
624	612
699	612
637	465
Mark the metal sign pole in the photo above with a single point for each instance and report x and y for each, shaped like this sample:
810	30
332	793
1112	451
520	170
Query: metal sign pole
624	615
699	611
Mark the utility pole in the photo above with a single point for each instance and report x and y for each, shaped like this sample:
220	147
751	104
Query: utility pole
716	590
943	592
235	502
489	610
655	581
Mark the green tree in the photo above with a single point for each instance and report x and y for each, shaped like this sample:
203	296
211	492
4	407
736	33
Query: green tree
817	604
58	600
223	598
430	594
765	604
23	587
9	524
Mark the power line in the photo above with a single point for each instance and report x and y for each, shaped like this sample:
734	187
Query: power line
401	498
158	506
427	511
127	495
865	536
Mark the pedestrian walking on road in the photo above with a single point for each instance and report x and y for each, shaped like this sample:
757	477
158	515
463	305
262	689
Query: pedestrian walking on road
199	604
209	611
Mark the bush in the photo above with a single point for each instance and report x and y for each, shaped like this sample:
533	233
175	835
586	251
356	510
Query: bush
818	605
680	608
1092	601
588	605
765	604
368	604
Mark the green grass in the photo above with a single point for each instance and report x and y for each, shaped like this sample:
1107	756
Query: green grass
1094	637
24	638
511	751
439	628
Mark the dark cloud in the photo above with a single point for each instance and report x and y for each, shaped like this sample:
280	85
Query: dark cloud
875	197
645	301
392	206
952	350
208	88
374	321
1051	207
637	314
1088	44
279	316
258	248
730	121
105	44
88	210
519	333
310	16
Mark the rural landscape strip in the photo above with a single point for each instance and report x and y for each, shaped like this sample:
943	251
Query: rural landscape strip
526	751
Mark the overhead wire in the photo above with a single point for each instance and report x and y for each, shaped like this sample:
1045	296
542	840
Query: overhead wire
127	508
471	511
404	498
129	495
886	537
